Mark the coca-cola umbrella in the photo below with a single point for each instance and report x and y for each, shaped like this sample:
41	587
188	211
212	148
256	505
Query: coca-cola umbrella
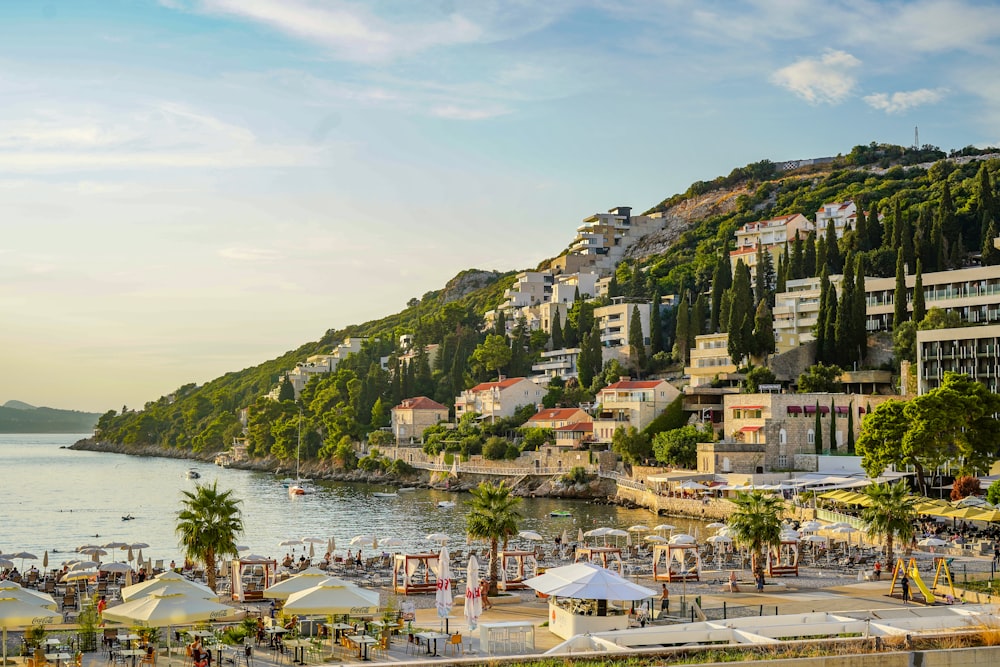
15	613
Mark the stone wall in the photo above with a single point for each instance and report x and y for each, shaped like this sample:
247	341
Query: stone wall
710	509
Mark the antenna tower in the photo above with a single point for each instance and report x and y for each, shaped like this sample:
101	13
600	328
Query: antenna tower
916	137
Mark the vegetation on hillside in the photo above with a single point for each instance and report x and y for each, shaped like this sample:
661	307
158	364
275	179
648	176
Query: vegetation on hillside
942	217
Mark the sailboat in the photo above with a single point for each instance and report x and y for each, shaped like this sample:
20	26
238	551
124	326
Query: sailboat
299	486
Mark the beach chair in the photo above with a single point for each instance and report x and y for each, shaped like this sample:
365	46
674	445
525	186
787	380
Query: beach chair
454	644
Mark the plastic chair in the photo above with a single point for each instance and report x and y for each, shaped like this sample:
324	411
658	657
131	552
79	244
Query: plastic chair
455	644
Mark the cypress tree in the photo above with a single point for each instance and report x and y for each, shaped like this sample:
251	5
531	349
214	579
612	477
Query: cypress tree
571	332
763	330
946	216
500	324
844	329
899	312
860	311
833	427
833	258
655	324
557	333
722	280
759	278
923	250
821	255
766	270
584	362
906	243
875	228
940	246
781	277
682	331
991	256
819	330
809	268
893	235
596	350
636	341
796	267
986	203
850	429
818	436
698	317
725	308
862	228
919	311
830	355
740	314
613	288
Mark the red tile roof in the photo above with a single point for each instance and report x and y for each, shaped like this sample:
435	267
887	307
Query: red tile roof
634	384
420	403
584	427
502	384
554	414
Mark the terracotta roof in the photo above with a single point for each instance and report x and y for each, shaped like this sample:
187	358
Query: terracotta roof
744	251
502	384
634	384
554	414
419	403
751	429
585	427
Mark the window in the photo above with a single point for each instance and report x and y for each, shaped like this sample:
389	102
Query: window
782	461
811	437
782	437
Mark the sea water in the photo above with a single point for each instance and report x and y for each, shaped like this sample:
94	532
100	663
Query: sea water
55	499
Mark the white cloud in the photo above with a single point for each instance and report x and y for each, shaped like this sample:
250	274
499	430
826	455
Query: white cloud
824	80
904	100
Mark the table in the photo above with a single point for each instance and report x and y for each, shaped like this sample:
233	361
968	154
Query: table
128	638
275	632
494	636
435	636
298	647
133	653
338	629
363	642
58	657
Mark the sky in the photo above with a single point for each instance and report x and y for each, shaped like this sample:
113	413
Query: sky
192	187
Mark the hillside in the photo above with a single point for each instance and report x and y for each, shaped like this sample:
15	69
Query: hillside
19	417
907	188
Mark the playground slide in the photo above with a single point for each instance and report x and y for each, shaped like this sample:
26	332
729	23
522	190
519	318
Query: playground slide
915	578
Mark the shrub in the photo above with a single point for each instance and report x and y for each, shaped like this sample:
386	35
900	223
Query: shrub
495	449
576	475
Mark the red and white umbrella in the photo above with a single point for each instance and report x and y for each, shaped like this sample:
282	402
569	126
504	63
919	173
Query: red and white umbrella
473	596
443	599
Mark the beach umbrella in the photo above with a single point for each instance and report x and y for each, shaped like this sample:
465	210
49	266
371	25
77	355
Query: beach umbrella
530	535
45	560
655	538
664	527
579	536
138	545
391	542
331	544
810	526
94	552
165	579
312	550
17	613
638	529
75	575
473	596
10	589
588	582
443	599
682	538
628	540
6	564
289	543
23	555
716	524
564	538
313	540
157	610
115	545
80	548
83	565
131	556
327	600
926	542
363	540
440	538
304	580
117	568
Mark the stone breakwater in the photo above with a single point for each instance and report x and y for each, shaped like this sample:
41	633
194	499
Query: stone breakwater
538	487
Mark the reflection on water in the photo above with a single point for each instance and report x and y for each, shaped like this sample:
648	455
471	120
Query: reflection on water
58	499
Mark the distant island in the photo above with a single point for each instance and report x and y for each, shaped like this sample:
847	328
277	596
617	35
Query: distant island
20	417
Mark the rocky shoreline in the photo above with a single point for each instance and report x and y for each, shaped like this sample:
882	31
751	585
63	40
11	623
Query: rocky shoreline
596	490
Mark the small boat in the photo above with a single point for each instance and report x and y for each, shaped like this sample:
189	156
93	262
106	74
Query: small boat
301	487
560	514
383	494
446	504
407	489
193	474
127	517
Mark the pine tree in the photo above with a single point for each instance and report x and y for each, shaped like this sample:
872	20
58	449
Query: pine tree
286	390
899	312
722	280
636	341
809	268
833	258
655	324
818	428
682	331
557	333
919	311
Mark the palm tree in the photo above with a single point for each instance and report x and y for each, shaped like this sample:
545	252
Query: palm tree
890	515
493	516
208	524
756	524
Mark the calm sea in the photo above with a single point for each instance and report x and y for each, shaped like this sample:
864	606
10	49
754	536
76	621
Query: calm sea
57	499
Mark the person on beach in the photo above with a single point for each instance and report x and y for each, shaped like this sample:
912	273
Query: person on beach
878	570
732	587
664	598
484	594
905	584
102	604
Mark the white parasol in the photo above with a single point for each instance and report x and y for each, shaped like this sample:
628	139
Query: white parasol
304	580
443	599
10	589
473	596
161	610
326	600
440	538
117	568
530	535
165	579
587	581
17	613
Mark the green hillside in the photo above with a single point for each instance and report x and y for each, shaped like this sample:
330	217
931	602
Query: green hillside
939	213
23	418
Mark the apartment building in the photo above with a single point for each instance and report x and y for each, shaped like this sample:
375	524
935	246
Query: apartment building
973	293
843	214
772	235
628	403
614	322
413	416
709	359
557	418
603	238
558	363
969	350
796	311
318	364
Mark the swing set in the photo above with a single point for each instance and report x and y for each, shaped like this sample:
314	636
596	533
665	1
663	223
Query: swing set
941	569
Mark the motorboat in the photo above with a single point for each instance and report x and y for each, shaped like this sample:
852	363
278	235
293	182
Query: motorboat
193	474
560	514
385	494
446	504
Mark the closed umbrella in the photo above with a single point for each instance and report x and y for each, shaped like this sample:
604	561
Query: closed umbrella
579	536
17	613
312	550
45	560
443	599
473	596
131	556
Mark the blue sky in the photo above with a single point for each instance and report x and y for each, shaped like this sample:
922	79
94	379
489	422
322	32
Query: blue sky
190	187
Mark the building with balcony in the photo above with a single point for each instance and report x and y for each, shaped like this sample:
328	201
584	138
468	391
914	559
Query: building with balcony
629	403
575	435
413	416
603	238
772	235
709	359
558	363
969	350
318	364
500	399
973	293
843	214
614	322
796	311
557	418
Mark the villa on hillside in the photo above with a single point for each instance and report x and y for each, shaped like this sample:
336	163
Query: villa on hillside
500	399
628	403
557	417
413	416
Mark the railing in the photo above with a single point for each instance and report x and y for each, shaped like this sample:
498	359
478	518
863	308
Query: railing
491	470
834	517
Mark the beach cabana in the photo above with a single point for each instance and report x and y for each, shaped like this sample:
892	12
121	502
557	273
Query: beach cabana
783	560
607	557
250	576
414	573
676	561
515	567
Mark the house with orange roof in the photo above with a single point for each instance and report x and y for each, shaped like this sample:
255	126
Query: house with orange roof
771	235
413	416
500	399
575	435
628	403
557	417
